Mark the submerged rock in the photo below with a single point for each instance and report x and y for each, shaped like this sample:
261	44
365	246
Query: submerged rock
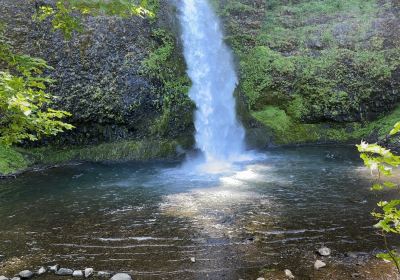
289	274
88	272
64	272
121	276
324	251
26	274
103	274
319	264
3	278
77	273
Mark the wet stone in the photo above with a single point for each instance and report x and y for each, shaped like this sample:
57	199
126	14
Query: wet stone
54	268
77	273
41	271
3	278
324	251
289	274
16	278
319	264
88	272
26	274
64	272
103	274
121	276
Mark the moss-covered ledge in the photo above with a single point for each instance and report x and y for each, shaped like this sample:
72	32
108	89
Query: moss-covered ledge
16	160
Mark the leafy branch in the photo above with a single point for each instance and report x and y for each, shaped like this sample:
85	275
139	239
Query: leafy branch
381	161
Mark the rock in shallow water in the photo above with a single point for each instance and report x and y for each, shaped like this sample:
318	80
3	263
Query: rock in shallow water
3	278
26	274
121	276
289	274
41	271
77	273
324	251
103	274
16	278
64	272
319	264
54	268
88	272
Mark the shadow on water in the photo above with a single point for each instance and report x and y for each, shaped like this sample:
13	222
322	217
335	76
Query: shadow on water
151	218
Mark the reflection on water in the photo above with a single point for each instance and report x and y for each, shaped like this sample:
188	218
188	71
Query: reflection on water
151	218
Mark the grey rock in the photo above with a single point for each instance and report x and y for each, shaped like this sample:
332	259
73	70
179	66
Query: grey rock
289	274
103	274
3	278
26	274
77	273
16	278
319	264
193	260
324	251
88	272
41	271
54	268
121	276
260	278
64	272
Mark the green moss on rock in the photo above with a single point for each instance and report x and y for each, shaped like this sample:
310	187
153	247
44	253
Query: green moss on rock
116	151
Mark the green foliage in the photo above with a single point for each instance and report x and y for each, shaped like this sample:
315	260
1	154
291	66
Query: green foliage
123	150
381	161
166	67
66	14
11	161
24	110
265	75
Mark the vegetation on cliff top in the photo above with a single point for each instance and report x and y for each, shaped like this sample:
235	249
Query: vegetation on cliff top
328	63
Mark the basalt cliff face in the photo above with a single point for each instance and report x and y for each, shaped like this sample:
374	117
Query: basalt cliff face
101	74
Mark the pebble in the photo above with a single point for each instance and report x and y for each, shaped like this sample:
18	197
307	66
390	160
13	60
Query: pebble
319	264
3	278
41	271
26	274
77	273
88	272
324	251
121	276
103	274
193	260
289	274
54	268
64	272
260	278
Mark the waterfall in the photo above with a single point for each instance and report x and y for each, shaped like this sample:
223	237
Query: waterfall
210	67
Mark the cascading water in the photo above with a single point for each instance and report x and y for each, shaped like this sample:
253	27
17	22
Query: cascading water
211	69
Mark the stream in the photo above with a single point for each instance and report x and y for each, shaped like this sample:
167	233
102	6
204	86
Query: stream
151	218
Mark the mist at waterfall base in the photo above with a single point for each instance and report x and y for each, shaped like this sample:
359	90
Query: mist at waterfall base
219	136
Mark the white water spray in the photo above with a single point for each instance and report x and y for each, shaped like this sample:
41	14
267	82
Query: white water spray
211	69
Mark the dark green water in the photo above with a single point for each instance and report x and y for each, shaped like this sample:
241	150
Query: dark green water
151	218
